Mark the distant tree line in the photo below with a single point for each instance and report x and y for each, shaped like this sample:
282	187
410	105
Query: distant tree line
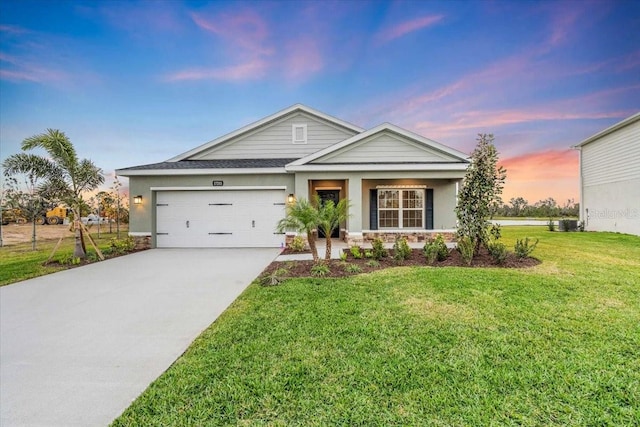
547	208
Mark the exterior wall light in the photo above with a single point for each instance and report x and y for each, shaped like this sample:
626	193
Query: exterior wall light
137	200
291	198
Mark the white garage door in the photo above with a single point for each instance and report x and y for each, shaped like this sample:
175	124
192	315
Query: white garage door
219	219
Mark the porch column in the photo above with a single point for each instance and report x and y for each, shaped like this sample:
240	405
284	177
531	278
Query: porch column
354	223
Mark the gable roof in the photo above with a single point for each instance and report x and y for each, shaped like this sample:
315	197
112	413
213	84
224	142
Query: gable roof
455	156
264	122
610	129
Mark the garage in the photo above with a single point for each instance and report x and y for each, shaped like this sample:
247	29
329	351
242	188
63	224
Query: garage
226	218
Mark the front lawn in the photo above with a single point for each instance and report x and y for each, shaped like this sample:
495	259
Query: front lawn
556	344
19	262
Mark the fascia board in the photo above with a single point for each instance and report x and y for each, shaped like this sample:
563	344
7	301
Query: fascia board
353	167
169	172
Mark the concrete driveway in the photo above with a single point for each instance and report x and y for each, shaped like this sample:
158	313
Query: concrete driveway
76	347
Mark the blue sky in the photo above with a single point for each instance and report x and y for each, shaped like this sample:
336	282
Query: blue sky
140	82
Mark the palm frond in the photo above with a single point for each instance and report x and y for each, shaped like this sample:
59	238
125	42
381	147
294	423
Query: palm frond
56	144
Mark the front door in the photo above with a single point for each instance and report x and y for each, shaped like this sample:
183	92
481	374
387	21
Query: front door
334	196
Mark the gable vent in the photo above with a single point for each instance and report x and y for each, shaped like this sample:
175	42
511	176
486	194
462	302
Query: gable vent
299	134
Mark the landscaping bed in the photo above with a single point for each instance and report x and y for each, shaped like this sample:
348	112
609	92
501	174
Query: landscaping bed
340	268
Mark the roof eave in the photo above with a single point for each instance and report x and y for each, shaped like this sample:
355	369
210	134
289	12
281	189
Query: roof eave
203	171
610	129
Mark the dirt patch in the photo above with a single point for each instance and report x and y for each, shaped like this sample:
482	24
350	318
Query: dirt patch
13	234
353	266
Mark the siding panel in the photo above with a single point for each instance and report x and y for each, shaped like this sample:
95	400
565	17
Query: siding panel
613	158
274	140
384	148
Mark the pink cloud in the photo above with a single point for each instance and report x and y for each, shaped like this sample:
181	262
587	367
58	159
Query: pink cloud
16	69
246	71
407	27
542	174
303	58
246	30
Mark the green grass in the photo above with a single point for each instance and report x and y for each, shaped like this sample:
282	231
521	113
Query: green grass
19	262
558	344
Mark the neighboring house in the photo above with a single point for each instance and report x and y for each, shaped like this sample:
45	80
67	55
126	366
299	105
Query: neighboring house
232	191
610	178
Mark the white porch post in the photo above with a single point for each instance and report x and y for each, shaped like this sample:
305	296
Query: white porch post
354	223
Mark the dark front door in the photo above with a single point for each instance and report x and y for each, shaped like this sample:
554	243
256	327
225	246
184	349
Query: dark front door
334	196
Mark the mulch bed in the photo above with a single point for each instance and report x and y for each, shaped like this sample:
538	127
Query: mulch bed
337	267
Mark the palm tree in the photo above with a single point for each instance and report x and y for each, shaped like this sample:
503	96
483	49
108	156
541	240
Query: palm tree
330	216
302	216
65	176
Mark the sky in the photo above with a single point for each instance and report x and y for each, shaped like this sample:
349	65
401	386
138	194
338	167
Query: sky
139	82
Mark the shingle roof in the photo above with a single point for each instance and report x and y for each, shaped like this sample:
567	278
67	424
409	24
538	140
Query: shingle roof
214	164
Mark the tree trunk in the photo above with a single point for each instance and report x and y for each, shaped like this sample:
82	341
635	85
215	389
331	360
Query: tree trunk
33	234
327	252
312	245
78	251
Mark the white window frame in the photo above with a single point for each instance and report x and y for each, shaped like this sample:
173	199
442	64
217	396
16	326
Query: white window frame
401	208
294	128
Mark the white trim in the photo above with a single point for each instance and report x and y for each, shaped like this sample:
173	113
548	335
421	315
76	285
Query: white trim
296	126
388	127
264	121
401	187
139	234
212	171
229	188
610	129
353	167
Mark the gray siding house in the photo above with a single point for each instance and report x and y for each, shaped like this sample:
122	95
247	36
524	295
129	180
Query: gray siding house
610	178
232	191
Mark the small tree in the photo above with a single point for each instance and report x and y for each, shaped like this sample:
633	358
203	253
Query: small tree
66	177
330	215
480	190
302	216
28	202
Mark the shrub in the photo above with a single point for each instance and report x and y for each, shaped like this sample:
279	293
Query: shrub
356	252
523	248
378	250
343	256
373	263
320	270
122	246
297	244
581	226
551	225
273	279
352	268
401	249
436	249
498	251
368	254
566	224
466	248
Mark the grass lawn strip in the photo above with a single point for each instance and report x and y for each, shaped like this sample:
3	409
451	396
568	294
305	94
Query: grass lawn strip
19	262
556	344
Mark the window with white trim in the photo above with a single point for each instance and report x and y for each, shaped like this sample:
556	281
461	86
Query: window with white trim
299	134
401	208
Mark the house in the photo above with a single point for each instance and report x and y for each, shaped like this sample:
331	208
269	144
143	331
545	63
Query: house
610	178
232	191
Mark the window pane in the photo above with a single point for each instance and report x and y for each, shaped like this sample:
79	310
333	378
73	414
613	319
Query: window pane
388	199
388	219
412	199
412	218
